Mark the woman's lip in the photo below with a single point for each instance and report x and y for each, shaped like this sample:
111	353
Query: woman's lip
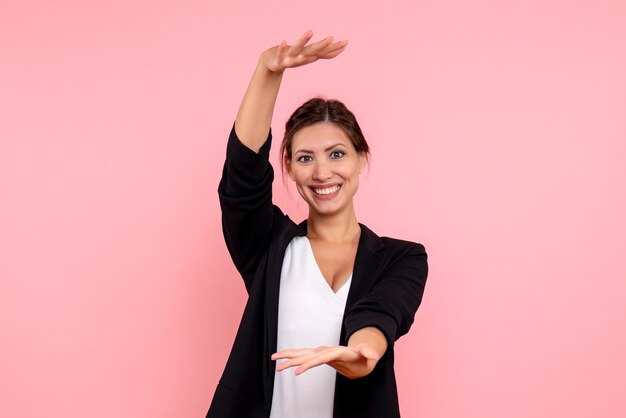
325	186
326	196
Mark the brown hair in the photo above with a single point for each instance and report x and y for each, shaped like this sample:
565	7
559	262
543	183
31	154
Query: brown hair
318	110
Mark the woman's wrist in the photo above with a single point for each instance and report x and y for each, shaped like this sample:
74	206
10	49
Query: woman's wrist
265	62
371	336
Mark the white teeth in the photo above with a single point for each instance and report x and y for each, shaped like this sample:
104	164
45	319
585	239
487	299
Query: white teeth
328	190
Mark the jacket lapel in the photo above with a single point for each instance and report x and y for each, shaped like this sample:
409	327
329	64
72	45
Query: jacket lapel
369	258
272	290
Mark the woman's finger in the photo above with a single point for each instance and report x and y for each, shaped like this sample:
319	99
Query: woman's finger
336	45
282	47
317	50
314	48
280	53
367	352
331	54
297	360
332	354
290	353
300	43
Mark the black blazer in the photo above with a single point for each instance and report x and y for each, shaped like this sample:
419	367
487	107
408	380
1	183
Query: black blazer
387	285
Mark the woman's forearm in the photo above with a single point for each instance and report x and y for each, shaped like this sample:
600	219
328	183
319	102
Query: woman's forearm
257	107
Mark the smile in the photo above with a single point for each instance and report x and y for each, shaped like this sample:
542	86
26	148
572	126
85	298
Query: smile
327	190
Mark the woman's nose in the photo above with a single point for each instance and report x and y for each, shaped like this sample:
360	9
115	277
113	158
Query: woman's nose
322	172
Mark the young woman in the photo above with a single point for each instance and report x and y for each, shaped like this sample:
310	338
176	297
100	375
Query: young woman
327	298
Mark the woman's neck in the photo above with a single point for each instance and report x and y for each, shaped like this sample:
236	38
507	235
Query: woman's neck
339	228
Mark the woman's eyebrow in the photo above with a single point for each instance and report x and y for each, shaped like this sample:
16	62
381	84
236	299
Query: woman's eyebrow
333	146
327	149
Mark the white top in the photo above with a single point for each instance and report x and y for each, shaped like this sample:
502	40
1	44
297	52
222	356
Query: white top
309	315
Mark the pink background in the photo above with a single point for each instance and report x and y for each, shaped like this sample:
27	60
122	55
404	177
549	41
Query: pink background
499	141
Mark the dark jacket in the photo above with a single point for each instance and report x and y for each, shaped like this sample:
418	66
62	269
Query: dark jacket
387	286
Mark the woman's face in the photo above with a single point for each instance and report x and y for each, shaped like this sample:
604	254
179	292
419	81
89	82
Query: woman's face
325	167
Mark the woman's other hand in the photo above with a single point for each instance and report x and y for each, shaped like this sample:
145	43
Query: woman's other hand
280	57
352	361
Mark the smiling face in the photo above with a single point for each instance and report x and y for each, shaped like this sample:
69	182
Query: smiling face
325	167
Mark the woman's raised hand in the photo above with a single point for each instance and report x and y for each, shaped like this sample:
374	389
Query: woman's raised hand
255	113
283	56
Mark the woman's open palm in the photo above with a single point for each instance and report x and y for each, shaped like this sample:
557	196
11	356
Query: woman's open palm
353	362
283	56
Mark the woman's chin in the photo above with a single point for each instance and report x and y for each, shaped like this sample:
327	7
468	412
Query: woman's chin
327	208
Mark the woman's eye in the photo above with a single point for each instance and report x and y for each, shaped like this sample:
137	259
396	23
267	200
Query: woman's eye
337	154
305	158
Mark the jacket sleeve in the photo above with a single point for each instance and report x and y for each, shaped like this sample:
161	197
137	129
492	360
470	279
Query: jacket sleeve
245	193
392	302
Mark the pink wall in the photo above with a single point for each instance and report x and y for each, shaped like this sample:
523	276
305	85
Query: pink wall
498	141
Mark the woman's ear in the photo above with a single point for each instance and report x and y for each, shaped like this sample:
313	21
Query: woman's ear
287	165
